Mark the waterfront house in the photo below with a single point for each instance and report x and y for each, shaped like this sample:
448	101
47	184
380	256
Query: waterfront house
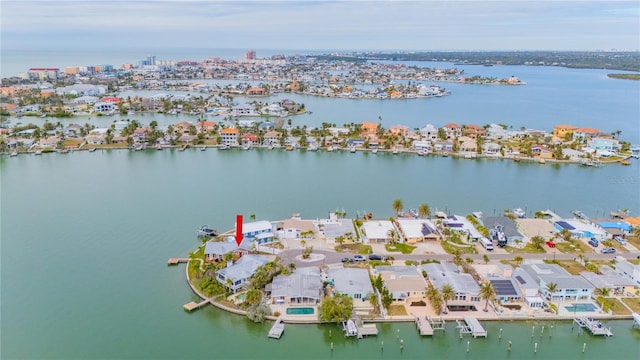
140	134
73	130
235	276
105	107
452	130
249	139
330	229
378	231
256	91
564	131
511	285
568	287
608	278
421	145
628	270
467	290
229	136
399	130
216	250
403	282
461	225
571	154
536	227
303	286
581	229
271	138
260	231
542	152
417	230
503	224
294	228
443	146
621	226
429	132
353	282
491	148
274	109
355	142
49	142
467	144
603	145
243	110
586	133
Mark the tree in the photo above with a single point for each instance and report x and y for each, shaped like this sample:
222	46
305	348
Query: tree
485	258
306	252
259	312
551	289
447	294
336	308
469	260
424	211
434	296
252	297
387	298
487	293
457	257
538	215
537	241
518	260
373	299
397	206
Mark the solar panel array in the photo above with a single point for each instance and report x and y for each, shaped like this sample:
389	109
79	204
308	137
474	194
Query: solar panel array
504	288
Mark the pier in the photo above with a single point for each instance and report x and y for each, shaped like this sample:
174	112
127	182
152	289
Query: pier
424	326
351	328
437	324
594	326
471	325
194	305
176	261
277	329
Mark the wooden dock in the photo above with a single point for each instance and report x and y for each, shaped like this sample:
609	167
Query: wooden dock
194	305
437	324
471	325
176	261
366	330
424	326
277	329
594	326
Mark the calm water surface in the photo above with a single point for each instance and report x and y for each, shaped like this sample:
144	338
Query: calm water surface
85	239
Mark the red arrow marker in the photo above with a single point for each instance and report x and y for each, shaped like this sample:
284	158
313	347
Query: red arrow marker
238	229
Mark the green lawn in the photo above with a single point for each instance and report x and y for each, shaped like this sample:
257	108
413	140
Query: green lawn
633	303
397	310
614	305
403	248
356	248
573	267
529	248
451	249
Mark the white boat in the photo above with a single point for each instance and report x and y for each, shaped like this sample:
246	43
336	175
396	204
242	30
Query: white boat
312	147
350	328
421	152
352	149
38	152
395	152
246	146
375	151
225	147
519	213
92	149
204	148
14	153
131	112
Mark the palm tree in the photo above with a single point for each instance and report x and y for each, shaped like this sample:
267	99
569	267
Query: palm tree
397	206
485	258
424	210
537	241
457	257
551	288
447	294
518	260
373	299
487	293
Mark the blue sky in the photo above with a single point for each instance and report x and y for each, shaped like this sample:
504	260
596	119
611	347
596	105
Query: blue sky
322	25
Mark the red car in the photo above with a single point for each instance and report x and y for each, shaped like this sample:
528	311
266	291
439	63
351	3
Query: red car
551	244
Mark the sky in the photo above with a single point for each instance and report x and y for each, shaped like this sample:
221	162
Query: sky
322	25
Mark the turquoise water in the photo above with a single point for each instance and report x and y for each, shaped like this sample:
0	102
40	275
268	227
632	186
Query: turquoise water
581	308
300	311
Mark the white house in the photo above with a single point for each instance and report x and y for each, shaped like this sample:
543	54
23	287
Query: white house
378	231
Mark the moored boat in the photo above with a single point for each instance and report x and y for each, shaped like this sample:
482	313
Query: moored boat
206	230
625	162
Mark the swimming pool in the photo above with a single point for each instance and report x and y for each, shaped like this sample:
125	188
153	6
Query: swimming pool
300	311
584	307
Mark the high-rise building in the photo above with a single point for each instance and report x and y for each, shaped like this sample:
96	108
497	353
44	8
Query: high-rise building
250	55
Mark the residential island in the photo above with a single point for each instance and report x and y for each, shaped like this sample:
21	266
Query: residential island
422	266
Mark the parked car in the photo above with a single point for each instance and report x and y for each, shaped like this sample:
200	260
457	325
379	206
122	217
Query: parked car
620	240
608	250
593	242
377	257
551	244
347	260
359	258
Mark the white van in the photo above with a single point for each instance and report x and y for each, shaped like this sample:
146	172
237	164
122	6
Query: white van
486	243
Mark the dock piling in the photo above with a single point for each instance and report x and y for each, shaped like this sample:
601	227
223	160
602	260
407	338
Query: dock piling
535	348
468	342
500	335
584	347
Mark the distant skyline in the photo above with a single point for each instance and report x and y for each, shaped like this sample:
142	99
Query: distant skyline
321	25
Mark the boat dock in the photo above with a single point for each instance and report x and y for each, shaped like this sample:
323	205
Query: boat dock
424	326
277	329
594	326
351	328
194	305
471	325
176	261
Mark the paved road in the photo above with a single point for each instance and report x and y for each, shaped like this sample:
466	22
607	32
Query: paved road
330	257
